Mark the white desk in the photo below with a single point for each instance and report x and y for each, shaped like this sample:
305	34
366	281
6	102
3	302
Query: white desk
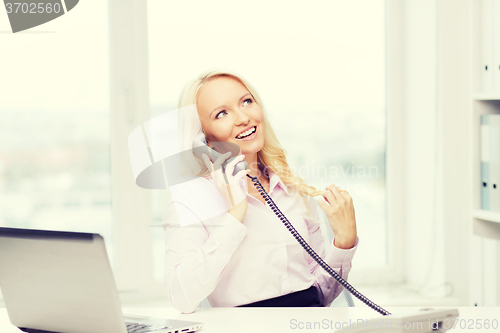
243	320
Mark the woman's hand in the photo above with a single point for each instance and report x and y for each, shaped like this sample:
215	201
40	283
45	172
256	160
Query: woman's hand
340	212
229	185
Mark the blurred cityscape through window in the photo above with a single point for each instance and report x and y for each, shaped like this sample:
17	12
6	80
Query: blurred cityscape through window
55	126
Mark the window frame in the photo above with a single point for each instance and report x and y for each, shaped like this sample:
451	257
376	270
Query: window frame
129	108
393	273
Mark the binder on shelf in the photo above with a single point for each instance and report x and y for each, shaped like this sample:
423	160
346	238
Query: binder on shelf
494	123
496	46
487	43
485	162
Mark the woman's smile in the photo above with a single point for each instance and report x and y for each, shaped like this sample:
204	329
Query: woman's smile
247	135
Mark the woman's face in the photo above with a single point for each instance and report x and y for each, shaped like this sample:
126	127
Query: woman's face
227	109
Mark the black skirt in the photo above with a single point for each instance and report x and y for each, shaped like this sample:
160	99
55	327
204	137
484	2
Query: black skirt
303	298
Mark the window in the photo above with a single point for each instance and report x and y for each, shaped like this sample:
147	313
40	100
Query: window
320	70
55	125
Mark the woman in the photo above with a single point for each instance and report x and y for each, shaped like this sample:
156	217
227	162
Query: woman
246	257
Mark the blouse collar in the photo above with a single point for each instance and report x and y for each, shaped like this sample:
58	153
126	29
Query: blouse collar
274	180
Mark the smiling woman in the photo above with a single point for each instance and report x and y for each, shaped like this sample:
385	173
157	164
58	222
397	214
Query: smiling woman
234	119
245	257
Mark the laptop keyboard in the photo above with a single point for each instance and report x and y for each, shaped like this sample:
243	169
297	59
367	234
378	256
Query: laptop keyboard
141	328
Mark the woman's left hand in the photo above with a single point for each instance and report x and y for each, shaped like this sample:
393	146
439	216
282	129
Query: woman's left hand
340	212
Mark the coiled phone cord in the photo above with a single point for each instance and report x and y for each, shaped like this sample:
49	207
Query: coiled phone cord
311	252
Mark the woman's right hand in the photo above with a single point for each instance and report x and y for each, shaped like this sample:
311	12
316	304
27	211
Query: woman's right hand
231	190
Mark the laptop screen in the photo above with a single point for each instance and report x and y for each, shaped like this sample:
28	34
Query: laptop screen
58	281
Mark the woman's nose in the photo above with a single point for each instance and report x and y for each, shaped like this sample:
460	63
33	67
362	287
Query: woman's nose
242	117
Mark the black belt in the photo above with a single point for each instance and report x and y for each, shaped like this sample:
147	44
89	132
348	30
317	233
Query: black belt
303	298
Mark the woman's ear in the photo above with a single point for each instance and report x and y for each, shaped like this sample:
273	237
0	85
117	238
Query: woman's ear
206	139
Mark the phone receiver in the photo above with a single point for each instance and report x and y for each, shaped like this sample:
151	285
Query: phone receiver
200	147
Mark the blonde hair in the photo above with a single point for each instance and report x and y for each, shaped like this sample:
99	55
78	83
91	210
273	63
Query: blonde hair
272	155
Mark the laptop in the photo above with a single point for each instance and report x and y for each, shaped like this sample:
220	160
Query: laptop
55	281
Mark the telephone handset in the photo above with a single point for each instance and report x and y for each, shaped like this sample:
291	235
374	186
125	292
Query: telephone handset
200	147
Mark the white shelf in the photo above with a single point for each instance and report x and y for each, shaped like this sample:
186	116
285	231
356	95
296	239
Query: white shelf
481	96
486	215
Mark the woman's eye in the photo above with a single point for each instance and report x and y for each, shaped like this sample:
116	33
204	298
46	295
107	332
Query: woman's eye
247	101
217	116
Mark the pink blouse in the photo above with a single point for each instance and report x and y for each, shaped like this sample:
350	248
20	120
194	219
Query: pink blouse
234	263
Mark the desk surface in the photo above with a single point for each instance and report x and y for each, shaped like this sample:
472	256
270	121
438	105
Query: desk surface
242	320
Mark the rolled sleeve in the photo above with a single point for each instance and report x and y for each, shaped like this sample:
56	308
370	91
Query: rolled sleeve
341	258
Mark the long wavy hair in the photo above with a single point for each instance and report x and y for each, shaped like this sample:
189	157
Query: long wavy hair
271	156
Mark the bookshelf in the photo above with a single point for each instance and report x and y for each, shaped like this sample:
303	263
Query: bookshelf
484	74
484	99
